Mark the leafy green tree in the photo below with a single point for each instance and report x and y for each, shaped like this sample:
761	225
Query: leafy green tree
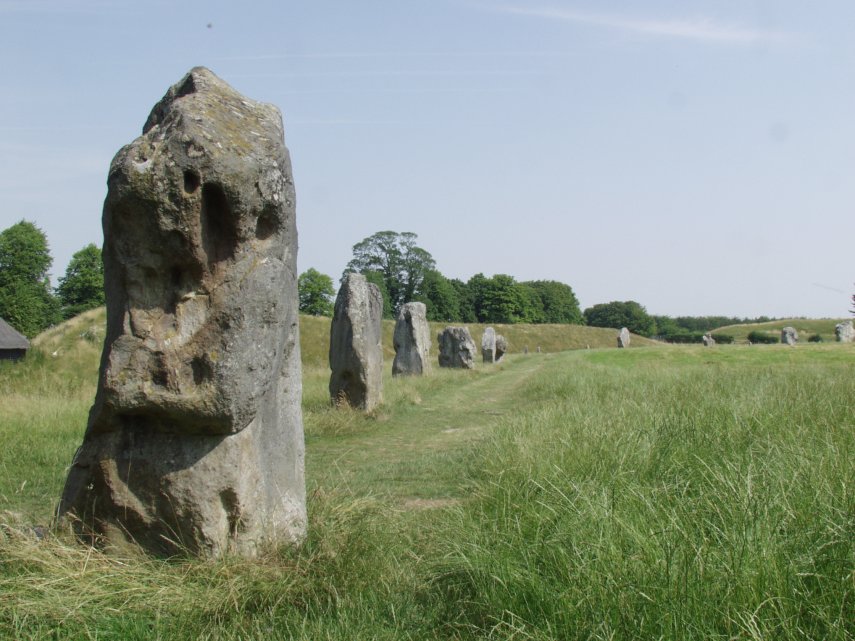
26	301
619	314
558	302
316	292
498	299
440	297
82	287
465	301
533	311
396	257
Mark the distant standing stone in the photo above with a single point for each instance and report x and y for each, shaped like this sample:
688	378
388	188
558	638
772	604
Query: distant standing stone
411	341
356	354
844	332
709	341
488	345
789	336
501	347
456	348
195	440
623	338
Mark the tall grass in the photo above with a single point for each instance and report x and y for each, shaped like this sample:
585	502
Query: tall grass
668	493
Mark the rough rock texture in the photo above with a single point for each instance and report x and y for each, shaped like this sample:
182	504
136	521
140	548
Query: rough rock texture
411	341
456	348
844	332
488	345
623	338
195	440
356	355
501	347
789	336
709	341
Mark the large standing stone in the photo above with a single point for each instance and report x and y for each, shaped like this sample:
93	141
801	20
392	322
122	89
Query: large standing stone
789	336
488	345
708	340
356	353
195	440
456	348
623	338
501	347
844	332
411	341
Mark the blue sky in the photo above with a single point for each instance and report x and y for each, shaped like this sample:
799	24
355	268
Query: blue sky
697	157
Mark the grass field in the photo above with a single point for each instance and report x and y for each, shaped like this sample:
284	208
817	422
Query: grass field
806	327
664	493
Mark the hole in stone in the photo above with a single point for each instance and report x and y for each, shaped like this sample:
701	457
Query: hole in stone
191	181
176	275
219	236
201	370
267	225
159	377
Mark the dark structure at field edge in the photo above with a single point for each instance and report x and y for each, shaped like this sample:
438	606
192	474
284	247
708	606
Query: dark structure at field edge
13	344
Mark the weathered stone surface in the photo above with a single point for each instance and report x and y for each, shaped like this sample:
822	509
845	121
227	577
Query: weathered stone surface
709	341
789	336
623	338
488	345
356	353
411	341
195	440
456	348
844	332
501	347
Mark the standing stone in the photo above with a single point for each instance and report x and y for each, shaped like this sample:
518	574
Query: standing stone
456	348
488	345
411	341
844	332
623	338
356	354
709	341
789	336
501	347
195	441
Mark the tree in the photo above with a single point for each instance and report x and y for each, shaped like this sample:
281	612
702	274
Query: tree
316	292
26	301
558	302
82	287
396	257
619	314
440	297
498	299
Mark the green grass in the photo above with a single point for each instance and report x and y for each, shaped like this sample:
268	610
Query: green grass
668	493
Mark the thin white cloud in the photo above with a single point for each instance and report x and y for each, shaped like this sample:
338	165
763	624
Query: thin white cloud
697	29
345	55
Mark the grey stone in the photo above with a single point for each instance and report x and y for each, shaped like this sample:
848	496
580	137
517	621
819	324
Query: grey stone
623	338
356	352
789	336
501	347
411	341
456	348
709	341
488	345
195	440
844	332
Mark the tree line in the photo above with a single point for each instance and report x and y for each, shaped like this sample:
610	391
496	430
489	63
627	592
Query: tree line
405	272
393	261
27	300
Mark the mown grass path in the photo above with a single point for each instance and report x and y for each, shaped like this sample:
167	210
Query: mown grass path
413	451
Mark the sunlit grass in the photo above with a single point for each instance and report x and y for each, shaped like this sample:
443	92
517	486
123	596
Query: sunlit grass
668	493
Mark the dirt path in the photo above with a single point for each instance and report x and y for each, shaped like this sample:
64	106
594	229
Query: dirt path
417	455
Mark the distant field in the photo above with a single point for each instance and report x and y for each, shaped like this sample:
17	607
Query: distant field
673	492
805	327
